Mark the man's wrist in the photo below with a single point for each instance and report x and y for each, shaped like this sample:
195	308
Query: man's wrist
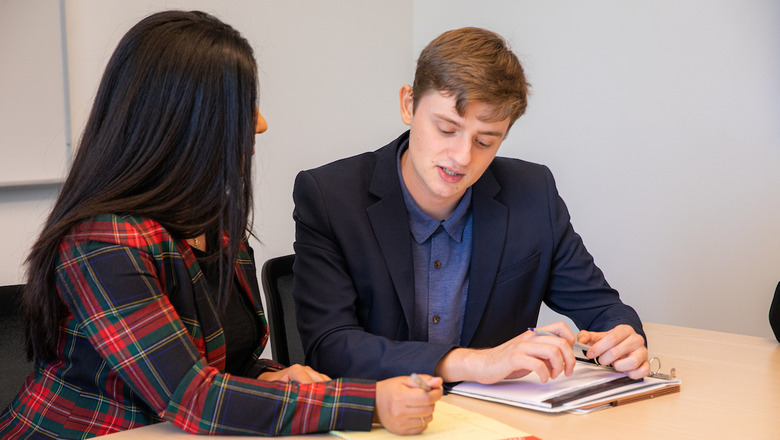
453	366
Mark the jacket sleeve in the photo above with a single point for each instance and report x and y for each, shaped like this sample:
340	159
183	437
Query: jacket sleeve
577	287
112	285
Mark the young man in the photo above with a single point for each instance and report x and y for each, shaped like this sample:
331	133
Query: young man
433	255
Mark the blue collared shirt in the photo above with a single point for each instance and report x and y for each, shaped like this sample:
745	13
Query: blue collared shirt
442	255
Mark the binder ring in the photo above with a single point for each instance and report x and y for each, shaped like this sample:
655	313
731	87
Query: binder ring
657	369
656	372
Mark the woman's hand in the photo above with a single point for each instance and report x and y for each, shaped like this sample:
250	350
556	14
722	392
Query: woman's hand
296	372
404	408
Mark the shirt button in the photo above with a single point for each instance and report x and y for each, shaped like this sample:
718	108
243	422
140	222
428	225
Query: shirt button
437	264
436	319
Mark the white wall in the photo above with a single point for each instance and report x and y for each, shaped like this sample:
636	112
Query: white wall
661	123
33	128
659	120
22	212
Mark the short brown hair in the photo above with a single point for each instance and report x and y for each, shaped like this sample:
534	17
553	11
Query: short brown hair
473	64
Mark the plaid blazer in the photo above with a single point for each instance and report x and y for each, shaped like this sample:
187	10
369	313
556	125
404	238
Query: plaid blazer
143	343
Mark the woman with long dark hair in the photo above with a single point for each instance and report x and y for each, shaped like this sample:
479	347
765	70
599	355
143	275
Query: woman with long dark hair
141	298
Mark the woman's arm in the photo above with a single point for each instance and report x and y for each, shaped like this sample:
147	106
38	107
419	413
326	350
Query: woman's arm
111	277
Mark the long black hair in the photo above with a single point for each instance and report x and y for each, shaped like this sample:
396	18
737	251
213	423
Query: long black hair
169	137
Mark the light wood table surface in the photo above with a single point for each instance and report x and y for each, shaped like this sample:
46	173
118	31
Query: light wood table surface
730	389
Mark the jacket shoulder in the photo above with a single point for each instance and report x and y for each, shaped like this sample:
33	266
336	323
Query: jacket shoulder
346	168
125	230
510	166
359	167
510	172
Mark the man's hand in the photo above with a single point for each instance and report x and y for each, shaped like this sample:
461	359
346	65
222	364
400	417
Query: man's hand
404	408
547	356
621	347
297	373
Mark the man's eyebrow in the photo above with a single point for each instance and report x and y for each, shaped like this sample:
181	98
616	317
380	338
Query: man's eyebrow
457	124
446	118
491	133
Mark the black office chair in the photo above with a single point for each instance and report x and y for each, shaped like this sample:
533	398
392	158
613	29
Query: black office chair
15	367
774	313
277	279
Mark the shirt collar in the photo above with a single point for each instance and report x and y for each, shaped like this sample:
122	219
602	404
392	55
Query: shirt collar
421	223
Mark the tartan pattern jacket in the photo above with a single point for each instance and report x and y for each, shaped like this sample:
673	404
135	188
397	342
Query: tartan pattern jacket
143	343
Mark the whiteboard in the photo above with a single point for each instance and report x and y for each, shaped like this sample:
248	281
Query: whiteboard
34	133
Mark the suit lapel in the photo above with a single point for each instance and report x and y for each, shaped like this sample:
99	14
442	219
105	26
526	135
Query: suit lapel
490	223
205	329
391	229
246	273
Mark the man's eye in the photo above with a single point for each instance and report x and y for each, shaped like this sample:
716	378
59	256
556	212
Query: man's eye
447	131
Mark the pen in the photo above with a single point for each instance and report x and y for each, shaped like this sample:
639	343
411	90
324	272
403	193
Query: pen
581	346
420	383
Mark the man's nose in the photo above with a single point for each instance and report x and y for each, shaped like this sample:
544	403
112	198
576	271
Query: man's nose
460	151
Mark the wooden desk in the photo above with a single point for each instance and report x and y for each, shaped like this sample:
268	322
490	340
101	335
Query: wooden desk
730	389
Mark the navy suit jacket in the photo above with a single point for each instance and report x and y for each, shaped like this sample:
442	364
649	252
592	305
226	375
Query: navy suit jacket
354	276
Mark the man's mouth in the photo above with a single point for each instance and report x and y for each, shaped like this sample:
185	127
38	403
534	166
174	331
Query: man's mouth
450	172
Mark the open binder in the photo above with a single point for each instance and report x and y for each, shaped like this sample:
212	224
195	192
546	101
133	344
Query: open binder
589	387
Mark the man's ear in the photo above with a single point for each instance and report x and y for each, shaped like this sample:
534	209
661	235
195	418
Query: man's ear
407	104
